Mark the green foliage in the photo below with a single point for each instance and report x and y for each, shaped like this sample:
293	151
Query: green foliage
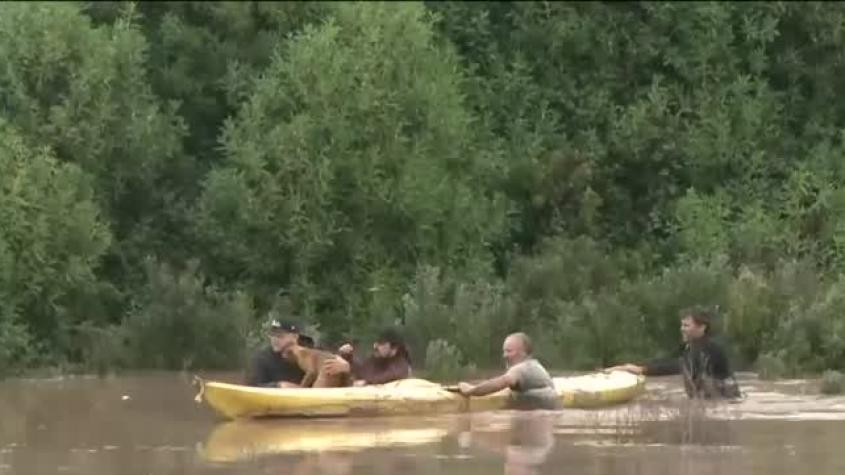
580	171
771	367
445	362
83	91
203	55
833	382
363	167
812	338
16	347
100	348
473	316
179	322
51	240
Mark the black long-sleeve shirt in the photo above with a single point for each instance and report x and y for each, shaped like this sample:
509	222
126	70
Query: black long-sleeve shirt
268	368
379	370
705	367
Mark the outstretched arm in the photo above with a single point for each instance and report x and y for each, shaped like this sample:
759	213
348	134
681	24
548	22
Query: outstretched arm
660	367
487	387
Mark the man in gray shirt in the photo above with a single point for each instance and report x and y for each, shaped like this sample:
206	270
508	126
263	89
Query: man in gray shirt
530	384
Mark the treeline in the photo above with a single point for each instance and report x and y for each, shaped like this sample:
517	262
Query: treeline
171	173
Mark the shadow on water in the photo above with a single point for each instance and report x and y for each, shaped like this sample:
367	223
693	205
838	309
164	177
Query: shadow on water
149	424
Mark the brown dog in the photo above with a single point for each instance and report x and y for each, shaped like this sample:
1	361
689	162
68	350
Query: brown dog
311	360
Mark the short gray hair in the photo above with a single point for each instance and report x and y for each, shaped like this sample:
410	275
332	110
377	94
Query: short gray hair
525	340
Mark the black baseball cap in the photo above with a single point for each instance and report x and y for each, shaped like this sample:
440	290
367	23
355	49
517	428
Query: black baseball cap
277	326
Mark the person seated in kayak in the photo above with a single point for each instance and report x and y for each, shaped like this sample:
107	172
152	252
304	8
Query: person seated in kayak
268	367
702	362
390	361
530	384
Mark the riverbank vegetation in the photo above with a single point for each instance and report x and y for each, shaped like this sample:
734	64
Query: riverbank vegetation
173	173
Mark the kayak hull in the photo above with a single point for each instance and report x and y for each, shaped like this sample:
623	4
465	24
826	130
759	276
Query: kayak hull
409	396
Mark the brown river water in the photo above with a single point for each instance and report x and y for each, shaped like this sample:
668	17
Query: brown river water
149	424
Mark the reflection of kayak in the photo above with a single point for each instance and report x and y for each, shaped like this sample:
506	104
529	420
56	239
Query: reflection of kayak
409	396
241	439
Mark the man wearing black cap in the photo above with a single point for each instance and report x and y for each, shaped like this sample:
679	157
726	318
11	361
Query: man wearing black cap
269	368
389	361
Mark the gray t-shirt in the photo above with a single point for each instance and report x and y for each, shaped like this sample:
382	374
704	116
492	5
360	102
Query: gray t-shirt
534	388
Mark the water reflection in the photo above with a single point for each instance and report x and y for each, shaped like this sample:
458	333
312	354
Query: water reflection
522	440
529	439
86	427
248	439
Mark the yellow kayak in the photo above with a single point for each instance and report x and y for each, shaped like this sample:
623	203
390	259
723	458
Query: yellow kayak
249	438
408	396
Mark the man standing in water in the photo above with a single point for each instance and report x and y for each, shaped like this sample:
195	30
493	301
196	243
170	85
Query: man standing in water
530	384
702	362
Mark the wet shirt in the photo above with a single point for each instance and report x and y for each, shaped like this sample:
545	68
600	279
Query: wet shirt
534	388
705	367
268	368
381	370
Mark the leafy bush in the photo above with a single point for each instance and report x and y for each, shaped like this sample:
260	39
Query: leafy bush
579	171
180	322
83	91
445	362
471	315
833	382
363	168
17	348
101	349
771	367
51	239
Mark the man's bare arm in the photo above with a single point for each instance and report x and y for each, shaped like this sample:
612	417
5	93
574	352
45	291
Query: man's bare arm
487	387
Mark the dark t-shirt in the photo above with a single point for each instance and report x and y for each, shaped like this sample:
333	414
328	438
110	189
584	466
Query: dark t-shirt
268	368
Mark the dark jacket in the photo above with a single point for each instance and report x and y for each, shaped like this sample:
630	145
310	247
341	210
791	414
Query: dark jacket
268	368
380	370
705	368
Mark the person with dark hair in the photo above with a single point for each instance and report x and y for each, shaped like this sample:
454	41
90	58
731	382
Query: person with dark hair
530	384
268	367
389	361
702	362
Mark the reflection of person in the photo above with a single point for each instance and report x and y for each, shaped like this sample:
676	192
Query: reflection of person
530	384
703	363
389	361
532	440
268	367
526	444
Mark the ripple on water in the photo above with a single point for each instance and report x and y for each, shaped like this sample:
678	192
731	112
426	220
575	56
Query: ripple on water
172	448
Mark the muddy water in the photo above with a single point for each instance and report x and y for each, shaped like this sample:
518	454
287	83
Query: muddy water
149	424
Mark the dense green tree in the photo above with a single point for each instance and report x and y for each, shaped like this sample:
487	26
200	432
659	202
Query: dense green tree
204	56
83	90
582	170
353	160
52	238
